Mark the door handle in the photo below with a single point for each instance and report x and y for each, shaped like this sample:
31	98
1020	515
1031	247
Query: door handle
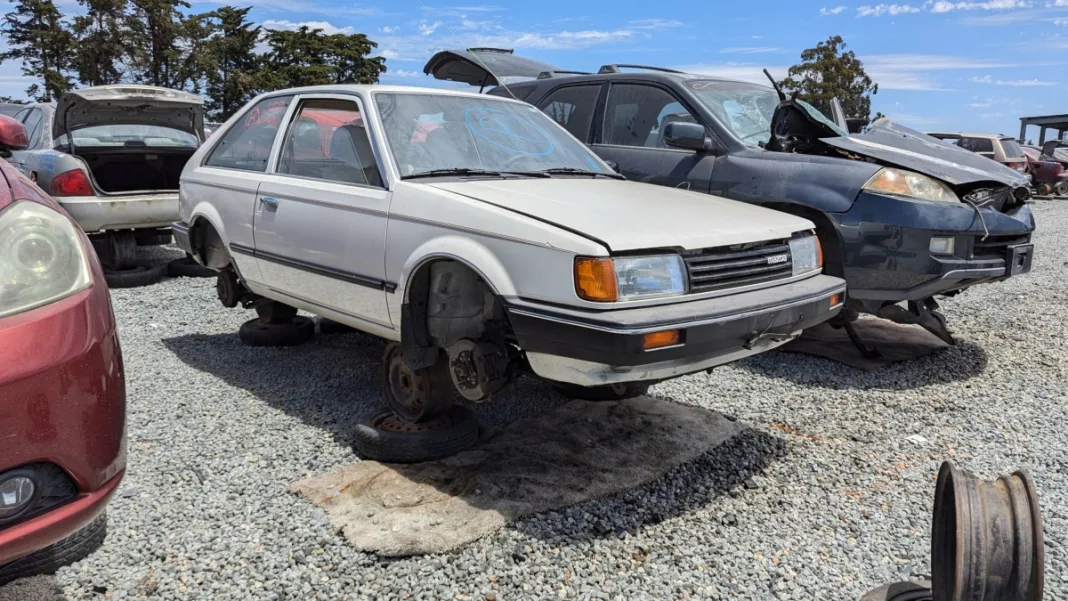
269	201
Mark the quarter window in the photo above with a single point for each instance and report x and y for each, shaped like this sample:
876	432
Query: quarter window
328	140
32	121
977	144
247	145
635	115
573	108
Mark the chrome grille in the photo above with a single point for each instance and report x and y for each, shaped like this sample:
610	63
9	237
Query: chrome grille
738	265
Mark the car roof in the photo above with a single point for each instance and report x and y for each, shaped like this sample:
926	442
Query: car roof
365	88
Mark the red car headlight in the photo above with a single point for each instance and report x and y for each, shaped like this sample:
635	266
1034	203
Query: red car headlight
41	258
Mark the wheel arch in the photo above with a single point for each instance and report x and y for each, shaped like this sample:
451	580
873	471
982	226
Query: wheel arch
204	223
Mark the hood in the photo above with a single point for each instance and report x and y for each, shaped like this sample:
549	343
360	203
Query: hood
469	66
627	216
129	104
798	127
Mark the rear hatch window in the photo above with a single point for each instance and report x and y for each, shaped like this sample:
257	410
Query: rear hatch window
1011	148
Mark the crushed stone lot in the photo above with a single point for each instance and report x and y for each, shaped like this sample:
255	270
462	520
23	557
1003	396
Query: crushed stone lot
827	494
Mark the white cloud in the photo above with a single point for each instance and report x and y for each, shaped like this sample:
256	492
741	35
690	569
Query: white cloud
1057	3
990	115
561	40
909	119
943	6
388	29
832	11
404	73
1019	83
914	71
328	28
1061	22
749	49
484	8
429	28
655	23
886	9
306	6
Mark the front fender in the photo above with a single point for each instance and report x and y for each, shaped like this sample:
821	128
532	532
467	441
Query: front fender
463	250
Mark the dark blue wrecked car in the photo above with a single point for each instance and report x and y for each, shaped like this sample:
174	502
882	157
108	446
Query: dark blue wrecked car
902	216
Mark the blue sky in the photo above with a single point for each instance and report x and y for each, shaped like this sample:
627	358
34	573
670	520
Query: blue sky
941	65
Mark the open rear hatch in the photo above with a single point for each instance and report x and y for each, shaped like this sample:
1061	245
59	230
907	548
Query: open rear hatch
161	129
483	66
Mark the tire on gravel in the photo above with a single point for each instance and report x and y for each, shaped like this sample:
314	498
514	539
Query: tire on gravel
329	326
610	392
255	332
187	267
382	436
65	552
142	274
901	591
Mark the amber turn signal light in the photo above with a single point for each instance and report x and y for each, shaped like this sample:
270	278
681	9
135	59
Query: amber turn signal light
819	253
595	279
655	340
836	299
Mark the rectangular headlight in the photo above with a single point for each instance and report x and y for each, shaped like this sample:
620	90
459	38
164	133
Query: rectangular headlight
806	254
606	279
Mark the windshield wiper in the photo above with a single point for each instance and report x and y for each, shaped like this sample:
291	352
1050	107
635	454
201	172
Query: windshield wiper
452	171
574	171
467	171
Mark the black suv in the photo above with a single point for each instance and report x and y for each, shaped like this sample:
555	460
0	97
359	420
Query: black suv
900	215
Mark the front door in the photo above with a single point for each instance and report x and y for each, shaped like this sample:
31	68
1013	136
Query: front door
320	219
632	135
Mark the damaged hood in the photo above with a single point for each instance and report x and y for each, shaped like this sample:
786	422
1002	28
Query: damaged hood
900	146
631	216
129	104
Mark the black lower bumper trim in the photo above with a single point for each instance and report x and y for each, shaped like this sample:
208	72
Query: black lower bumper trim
617	337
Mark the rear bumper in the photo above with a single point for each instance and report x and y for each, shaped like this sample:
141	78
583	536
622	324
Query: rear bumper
122	212
180	230
886	246
591	348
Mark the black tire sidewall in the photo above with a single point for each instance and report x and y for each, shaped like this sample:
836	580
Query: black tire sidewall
257	333
64	552
188	268
390	447
142	274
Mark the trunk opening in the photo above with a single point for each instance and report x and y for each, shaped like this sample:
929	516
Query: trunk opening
116	171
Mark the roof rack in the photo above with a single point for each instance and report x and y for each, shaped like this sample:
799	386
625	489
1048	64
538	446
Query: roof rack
498	50
553	73
615	69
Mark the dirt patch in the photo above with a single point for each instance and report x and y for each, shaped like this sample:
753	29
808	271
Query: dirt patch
581	451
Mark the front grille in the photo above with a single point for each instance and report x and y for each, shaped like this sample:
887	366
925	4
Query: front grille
738	265
995	247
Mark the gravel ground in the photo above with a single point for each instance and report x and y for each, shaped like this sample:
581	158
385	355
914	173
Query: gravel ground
828	495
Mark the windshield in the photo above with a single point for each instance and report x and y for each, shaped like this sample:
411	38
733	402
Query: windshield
427	132
746	109
1012	149
130	135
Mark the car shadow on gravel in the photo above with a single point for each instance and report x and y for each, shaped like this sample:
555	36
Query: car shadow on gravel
960	362
333	380
724	470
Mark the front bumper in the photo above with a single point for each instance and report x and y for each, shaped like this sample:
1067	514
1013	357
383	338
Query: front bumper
63	404
886	246
122	212
591	348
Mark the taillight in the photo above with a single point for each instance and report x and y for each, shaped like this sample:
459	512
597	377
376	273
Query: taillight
71	183
1021	167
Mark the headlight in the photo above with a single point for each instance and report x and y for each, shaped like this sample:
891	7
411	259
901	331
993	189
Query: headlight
629	278
900	182
806	254
41	258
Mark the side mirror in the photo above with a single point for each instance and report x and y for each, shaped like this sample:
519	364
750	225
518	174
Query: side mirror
688	136
13	136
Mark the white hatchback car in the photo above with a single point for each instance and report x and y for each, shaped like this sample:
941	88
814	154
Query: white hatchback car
481	238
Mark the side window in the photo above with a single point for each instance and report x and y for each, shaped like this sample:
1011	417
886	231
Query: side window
977	144
328	140
21	115
31	124
573	107
247	145
635	115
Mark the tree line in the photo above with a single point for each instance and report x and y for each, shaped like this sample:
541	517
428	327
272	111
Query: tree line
219	54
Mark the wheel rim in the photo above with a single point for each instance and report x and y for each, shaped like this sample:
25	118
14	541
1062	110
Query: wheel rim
406	392
395	424
620	389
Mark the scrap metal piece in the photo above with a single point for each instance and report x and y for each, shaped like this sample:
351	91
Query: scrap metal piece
925	315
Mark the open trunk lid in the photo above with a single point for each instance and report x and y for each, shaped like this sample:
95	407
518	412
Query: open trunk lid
798	127
129	104
470	66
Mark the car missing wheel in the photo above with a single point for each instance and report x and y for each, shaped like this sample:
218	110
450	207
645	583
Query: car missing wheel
483	241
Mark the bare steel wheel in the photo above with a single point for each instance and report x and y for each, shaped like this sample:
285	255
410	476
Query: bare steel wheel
415	395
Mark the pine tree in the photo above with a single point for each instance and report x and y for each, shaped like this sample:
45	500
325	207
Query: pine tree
232	63
828	71
102	42
36	34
